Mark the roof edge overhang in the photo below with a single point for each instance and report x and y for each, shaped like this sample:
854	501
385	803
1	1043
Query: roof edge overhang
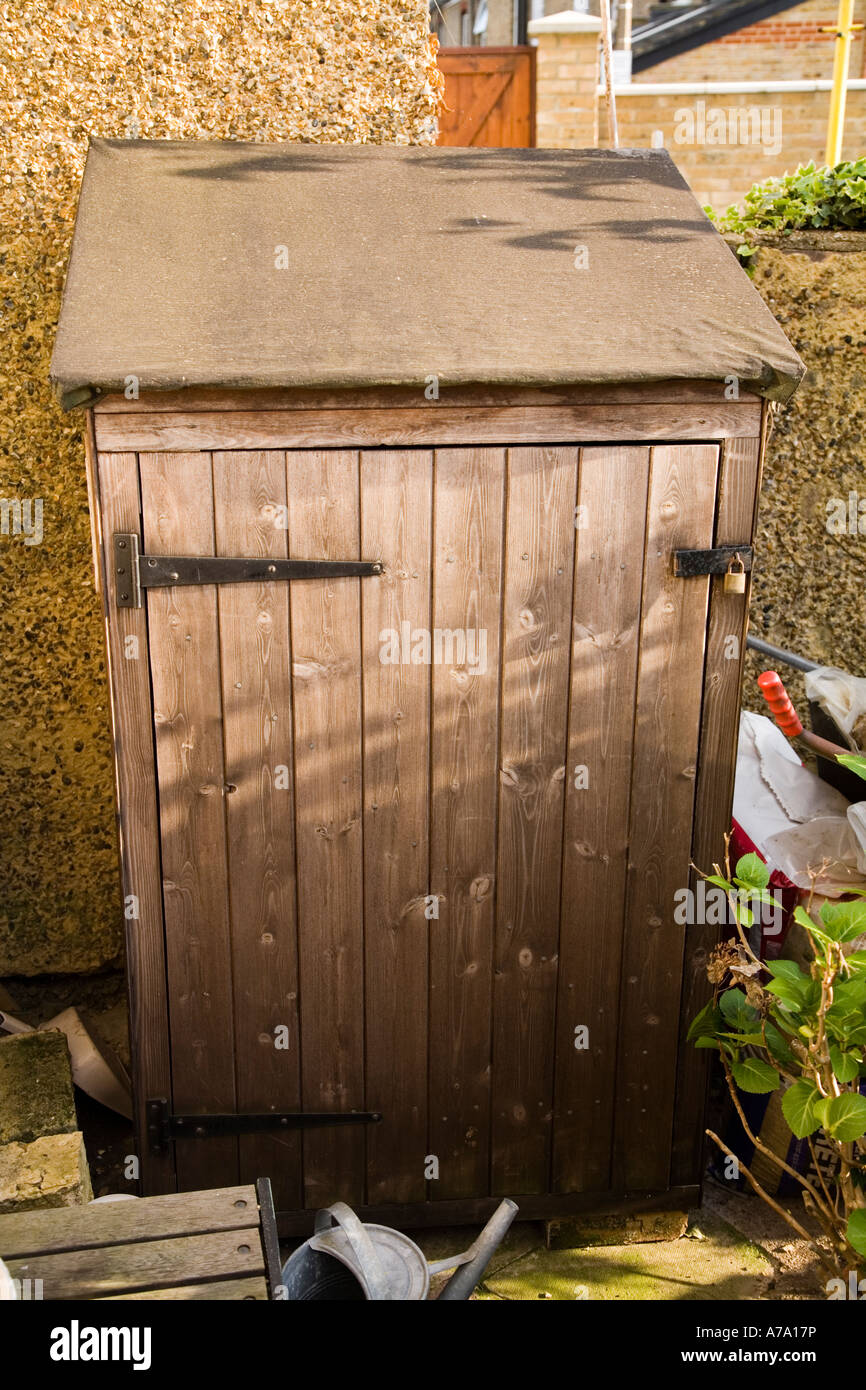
769	384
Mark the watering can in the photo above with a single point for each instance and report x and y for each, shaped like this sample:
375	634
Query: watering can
352	1261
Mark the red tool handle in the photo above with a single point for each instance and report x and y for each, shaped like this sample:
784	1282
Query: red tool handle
776	697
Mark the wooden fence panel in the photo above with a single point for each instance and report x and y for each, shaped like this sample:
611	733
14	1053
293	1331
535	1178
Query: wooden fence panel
489	97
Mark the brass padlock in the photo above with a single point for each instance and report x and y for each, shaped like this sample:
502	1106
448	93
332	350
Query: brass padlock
735	579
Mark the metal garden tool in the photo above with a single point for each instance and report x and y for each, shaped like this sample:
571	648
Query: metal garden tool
788	720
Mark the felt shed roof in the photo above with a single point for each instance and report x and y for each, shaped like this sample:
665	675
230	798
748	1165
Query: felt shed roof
247	265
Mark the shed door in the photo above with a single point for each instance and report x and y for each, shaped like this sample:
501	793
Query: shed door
413	839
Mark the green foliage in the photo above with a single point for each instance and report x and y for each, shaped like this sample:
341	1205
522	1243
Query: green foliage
843	1116
737	1012
828	197
846	1065
854	762
755	1076
798	1107
856	1231
777	1025
751	872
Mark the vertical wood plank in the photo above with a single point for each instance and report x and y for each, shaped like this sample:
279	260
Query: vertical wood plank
177	507
525	97
255	665
717	760
608	577
91	468
670	679
396	506
135	769
467	564
324	523
537	603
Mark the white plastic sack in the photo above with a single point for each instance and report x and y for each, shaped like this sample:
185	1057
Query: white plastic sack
796	821
827	843
857	822
843	697
773	790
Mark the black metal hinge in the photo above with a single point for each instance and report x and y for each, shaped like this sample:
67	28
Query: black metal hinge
134	572
163	1127
688	564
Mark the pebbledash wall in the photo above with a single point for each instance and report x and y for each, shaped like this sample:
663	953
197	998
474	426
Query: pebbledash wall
807	589
730	113
309	70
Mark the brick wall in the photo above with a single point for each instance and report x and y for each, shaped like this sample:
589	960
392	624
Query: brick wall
722	141
788	46
566	115
790	126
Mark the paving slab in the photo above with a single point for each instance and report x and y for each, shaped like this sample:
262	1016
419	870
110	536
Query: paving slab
522	1237
614	1228
722	1265
49	1172
36	1096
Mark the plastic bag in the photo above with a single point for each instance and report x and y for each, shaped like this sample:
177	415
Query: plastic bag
841	696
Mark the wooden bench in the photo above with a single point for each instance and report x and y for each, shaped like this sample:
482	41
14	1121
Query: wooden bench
220	1244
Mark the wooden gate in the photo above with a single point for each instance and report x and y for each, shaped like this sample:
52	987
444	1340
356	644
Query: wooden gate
407	835
489	96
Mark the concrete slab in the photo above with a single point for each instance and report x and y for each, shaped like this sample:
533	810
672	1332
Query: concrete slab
36	1094
50	1172
722	1265
614	1228
522	1237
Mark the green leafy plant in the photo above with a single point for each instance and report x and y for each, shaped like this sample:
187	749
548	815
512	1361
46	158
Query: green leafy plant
776	1025
855	762
828	196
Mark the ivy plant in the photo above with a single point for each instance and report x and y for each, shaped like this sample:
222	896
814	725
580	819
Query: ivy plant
832	197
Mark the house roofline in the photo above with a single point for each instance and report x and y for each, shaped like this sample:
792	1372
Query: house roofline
688	29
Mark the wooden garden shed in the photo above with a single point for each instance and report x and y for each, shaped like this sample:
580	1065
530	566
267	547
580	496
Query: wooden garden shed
420	713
